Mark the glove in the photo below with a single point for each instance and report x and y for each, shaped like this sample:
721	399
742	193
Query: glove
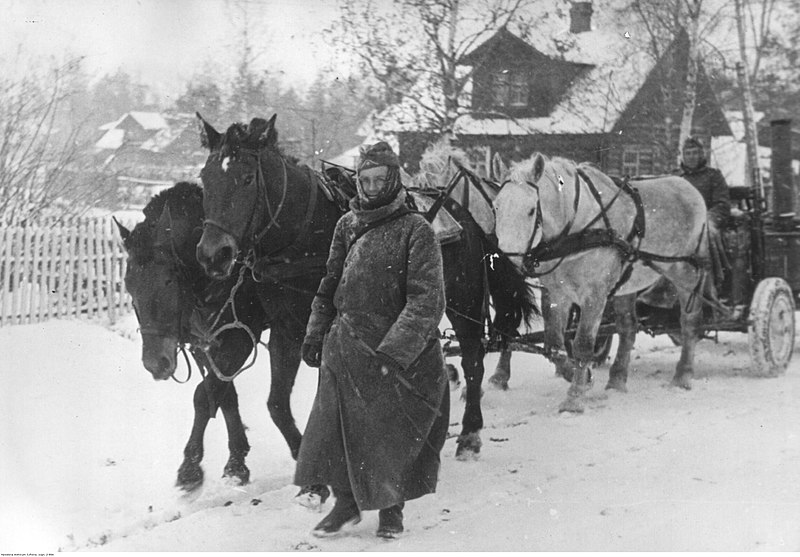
312	353
389	366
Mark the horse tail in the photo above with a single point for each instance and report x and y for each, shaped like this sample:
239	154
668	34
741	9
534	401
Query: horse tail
513	297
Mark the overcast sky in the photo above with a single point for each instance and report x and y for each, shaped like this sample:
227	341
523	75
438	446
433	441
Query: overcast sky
164	42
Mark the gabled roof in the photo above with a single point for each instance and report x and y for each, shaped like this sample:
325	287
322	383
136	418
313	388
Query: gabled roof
112	139
615	69
502	39
147	120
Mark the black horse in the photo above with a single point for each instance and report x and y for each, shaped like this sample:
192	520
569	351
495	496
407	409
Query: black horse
267	211
176	304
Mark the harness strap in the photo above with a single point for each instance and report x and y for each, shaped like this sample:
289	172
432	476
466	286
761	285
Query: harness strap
401	212
277	267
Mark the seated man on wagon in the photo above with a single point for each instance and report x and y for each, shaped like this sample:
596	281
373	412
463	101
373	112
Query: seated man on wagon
714	189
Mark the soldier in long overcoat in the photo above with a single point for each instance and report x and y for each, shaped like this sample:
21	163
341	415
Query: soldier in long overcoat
380	416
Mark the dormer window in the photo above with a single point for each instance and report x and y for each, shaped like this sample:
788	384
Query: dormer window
510	89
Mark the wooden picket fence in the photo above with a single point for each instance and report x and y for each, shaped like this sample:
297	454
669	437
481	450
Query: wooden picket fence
55	269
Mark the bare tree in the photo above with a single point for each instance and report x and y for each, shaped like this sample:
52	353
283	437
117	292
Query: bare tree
42	155
413	47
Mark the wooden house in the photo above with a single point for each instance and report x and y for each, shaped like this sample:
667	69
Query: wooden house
587	94
149	151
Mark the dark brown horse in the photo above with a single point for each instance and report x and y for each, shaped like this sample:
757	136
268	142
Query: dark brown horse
267	211
177	304
173	298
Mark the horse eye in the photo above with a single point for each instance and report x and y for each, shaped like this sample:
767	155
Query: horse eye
248	180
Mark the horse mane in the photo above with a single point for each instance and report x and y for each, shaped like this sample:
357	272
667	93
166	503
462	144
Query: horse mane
249	136
184	198
521	170
434	166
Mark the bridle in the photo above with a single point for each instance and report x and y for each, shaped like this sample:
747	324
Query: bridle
261	192
191	330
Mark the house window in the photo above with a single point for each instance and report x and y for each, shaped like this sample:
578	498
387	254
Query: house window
518	94
637	160
510	89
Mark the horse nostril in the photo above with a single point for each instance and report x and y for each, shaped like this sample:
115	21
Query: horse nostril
164	364
225	254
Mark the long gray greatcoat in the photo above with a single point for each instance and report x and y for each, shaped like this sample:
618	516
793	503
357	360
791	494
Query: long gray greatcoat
375	435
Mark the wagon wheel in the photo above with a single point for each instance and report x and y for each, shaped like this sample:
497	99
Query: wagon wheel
771	327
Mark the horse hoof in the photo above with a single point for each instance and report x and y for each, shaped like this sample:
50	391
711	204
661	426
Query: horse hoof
468	447
617	386
682	382
499	382
312	496
572	405
190	477
238	471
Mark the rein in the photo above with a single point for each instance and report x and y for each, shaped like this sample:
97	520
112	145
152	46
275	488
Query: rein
261	188
208	337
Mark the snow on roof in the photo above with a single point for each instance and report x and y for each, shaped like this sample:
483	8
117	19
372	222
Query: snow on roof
112	139
162	139
149	120
348	159
618	67
113	124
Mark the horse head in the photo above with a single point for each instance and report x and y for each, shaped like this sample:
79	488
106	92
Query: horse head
159	276
236	197
518	214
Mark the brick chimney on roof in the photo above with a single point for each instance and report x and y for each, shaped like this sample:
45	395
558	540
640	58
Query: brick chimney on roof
580	17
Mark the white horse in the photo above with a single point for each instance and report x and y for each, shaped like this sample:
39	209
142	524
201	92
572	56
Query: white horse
588	238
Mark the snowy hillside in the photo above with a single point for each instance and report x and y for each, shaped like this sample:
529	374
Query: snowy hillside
90	446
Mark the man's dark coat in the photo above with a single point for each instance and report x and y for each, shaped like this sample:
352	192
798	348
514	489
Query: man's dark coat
384	292
712	186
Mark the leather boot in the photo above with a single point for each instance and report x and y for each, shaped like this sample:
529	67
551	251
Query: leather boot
390	521
345	512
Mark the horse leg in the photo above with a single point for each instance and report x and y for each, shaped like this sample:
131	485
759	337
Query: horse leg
472	352
190	473
691	327
555	322
582	354
626	324
284	357
238	447
502	372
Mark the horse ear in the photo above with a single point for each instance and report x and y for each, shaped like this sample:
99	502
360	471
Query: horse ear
538	167
209	137
124	233
269	136
499	168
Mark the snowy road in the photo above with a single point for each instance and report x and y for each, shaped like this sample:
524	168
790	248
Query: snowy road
90	446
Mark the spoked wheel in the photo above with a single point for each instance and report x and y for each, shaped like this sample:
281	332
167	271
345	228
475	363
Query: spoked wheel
771	327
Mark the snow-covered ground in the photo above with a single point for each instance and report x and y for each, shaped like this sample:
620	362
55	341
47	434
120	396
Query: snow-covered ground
90	446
